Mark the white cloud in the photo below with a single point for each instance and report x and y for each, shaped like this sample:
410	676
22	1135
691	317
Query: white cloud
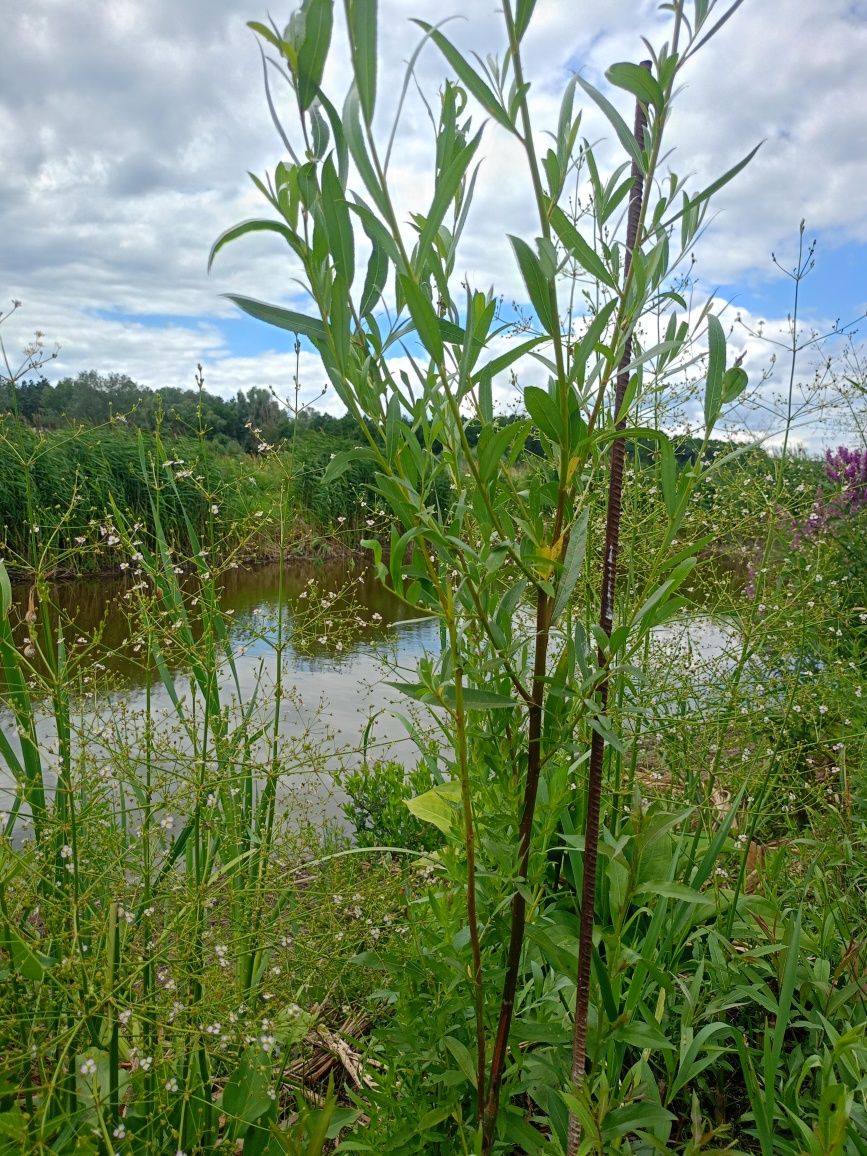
127	131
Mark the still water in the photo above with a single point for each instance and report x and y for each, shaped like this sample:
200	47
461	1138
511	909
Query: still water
343	636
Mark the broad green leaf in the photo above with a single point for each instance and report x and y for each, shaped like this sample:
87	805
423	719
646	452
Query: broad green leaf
258	225
716	363
26	959
733	384
624	133
539	287
835	1108
468	76
298	323
245	1097
437	806
463	1059
622	1121
13	1126
580	249
337	222
424	318
361	17
638	81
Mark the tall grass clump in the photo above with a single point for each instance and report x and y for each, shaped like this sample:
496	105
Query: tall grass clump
166	914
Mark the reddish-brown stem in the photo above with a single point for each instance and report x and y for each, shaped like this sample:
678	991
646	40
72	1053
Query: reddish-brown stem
606	618
519	903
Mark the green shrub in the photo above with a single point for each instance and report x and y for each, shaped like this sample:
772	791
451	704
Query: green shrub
378	793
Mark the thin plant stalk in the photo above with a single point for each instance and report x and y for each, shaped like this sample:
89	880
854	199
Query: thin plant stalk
606	620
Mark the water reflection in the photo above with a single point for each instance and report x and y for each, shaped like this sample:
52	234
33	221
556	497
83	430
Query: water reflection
342	635
96	613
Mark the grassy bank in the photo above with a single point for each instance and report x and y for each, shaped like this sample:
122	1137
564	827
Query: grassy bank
187	964
62	492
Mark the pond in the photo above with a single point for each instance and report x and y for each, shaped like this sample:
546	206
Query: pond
339	633
341	636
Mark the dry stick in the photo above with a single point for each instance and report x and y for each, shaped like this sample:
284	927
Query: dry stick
606	616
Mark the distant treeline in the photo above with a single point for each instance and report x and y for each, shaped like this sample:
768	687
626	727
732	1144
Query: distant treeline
240	423
237	424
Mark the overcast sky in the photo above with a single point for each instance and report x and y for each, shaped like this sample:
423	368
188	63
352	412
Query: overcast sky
127	128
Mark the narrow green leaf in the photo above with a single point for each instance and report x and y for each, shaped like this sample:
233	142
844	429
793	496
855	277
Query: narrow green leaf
361	18
690	1066
668	476
424	318
341	462
309	327
447	186
374	281
497	364
479	699
580	249
678	891
523	15
572	564
538	286
714	186
339	135
624	132
358	149
257	225
716	363
266	33
5	591
782	1023
468	76
463	1059
337	223
317	17
493	444
645	1115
